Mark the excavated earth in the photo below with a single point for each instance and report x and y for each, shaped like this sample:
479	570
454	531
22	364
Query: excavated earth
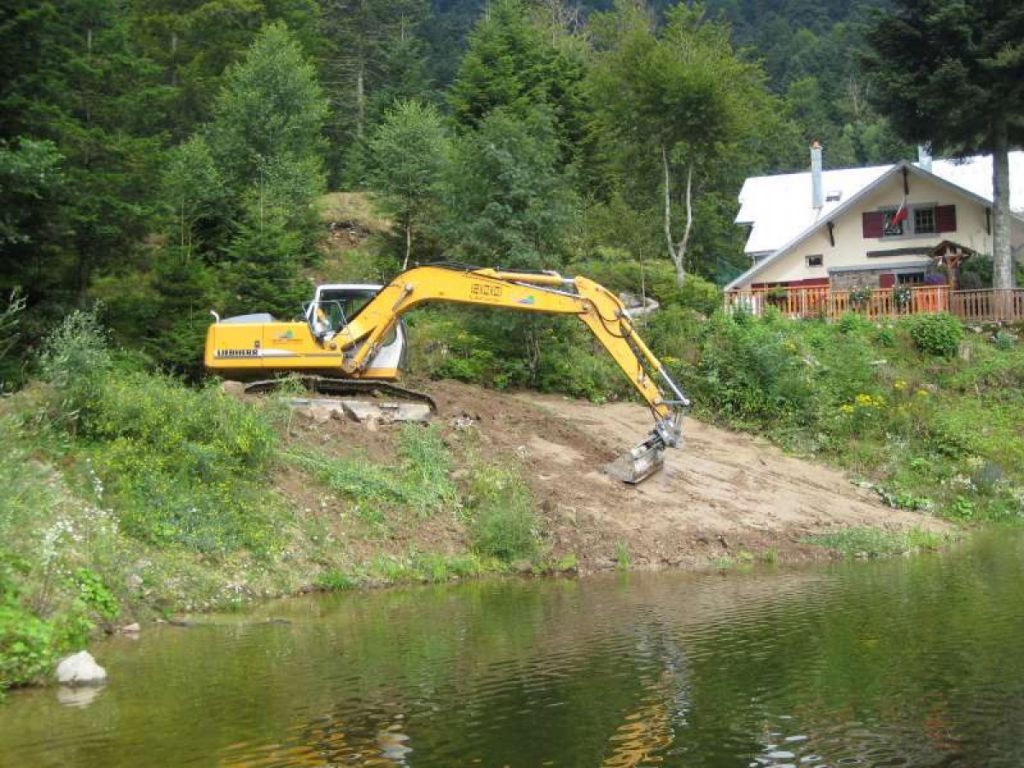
722	495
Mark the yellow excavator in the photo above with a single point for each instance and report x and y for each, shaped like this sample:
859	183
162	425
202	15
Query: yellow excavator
352	335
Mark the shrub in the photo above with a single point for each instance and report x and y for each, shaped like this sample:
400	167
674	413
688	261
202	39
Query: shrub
851	322
673	329
885	337
503	523
581	370
182	466
26	645
700	295
77	348
938	334
753	370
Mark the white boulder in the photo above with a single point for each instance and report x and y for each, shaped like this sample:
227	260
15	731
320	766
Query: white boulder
80	669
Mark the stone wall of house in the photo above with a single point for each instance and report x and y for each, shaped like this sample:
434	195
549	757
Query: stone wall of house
848	281
869	278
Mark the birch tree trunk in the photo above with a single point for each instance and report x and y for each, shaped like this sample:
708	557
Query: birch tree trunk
677	249
408	245
360	102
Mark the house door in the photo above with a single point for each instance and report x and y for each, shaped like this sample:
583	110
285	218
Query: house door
886	280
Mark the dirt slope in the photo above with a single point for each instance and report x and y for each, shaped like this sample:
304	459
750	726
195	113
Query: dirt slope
722	494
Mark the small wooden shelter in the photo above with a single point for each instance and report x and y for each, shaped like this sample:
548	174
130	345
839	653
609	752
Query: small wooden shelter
950	256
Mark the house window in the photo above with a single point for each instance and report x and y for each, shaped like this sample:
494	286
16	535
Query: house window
910	278
815	260
889	228
924	220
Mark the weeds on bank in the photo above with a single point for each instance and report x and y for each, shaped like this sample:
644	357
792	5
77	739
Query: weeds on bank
622	559
501	518
414	568
875	542
421	482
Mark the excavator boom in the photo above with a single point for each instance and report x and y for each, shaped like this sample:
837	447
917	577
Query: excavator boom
352	347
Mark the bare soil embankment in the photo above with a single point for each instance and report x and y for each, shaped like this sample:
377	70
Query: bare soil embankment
722	494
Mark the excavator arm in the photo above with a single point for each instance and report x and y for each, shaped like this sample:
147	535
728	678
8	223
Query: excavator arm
546	293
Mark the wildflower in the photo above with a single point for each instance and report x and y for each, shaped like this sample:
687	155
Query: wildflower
922	393
899	385
846	408
869	401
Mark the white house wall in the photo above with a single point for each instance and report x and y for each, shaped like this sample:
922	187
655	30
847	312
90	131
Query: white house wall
850	250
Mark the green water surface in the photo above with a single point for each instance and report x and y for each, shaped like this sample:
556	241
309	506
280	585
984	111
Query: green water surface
914	661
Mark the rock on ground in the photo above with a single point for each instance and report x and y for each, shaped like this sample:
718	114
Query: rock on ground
80	669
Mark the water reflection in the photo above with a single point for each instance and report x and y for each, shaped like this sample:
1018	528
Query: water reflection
79	697
910	662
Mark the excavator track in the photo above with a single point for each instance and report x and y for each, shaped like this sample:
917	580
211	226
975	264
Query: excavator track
329	385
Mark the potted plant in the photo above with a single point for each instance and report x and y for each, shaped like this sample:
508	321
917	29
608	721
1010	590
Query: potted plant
777	296
901	296
859	297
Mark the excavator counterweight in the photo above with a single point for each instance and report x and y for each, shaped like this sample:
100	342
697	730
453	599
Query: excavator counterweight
355	333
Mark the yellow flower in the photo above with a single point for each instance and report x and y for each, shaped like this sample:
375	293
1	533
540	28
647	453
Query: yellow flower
846	408
899	385
868	401
922	393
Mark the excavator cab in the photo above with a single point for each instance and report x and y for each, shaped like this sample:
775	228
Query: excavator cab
255	345
334	306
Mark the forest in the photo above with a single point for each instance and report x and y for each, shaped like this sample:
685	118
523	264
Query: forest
160	158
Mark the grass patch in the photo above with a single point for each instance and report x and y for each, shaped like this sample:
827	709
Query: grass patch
502	521
353	208
875	542
421	482
622	559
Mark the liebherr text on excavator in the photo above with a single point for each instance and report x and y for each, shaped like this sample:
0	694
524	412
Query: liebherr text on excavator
354	333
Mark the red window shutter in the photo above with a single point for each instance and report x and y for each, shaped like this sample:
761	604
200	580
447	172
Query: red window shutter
873	223
945	218
886	280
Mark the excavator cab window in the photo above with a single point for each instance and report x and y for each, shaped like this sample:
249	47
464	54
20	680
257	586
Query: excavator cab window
338	307
334	308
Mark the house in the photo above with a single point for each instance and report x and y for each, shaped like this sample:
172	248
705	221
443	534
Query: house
839	228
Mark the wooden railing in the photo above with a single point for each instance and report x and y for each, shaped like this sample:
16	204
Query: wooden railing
971	306
992	305
826	303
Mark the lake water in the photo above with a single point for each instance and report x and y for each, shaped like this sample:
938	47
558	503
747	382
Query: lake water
916	662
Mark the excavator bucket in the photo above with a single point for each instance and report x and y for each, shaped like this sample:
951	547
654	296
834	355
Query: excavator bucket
642	461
